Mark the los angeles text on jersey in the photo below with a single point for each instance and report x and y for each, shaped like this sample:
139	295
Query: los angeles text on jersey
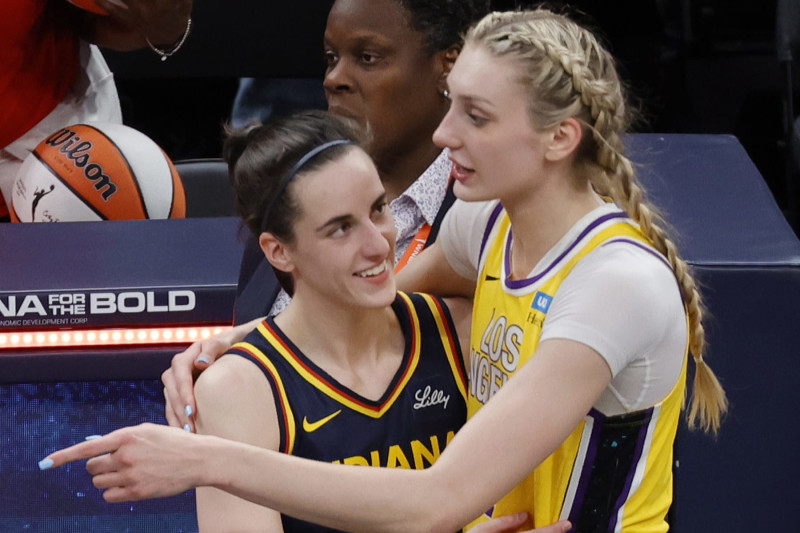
417	454
497	357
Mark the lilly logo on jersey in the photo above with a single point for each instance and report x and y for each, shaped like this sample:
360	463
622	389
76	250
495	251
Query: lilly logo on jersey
429	396
78	151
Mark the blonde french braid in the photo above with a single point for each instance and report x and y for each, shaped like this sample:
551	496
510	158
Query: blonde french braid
569	74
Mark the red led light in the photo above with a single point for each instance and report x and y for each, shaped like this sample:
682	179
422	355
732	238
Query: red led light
107	337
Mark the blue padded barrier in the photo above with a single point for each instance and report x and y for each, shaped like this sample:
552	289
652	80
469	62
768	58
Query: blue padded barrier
747	259
112	258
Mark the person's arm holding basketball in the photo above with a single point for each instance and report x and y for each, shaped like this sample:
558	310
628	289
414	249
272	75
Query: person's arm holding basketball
130	24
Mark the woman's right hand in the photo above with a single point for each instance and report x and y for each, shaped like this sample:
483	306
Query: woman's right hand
178	379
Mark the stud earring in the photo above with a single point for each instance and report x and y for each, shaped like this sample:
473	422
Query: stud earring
446	94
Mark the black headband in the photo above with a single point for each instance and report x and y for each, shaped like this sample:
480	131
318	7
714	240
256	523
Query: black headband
293	172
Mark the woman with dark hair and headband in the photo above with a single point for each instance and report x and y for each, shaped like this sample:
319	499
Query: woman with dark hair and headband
387	64
308	382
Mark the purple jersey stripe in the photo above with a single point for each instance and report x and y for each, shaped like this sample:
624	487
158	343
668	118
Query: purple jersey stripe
605	477
588	462
489	225
623	497
521	283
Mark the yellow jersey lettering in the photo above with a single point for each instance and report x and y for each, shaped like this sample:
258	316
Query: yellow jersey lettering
497	357
421	453
354	460
510	360
495	338
397	459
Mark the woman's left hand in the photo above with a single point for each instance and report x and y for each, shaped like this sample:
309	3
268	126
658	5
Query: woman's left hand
163	22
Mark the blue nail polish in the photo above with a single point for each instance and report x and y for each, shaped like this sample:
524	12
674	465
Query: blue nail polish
204	359
188	410
93	437
44	464
188	428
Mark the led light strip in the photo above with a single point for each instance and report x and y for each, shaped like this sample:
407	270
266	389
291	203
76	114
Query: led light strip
106	337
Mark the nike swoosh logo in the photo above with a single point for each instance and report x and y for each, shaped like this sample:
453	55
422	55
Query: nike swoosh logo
490	278
311	427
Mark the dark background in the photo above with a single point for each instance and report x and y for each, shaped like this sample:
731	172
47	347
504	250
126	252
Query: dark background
39	418
696	66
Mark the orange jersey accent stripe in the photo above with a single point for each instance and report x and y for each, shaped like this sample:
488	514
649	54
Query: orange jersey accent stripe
448	341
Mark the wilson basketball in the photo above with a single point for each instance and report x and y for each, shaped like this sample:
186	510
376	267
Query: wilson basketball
89	5
97	172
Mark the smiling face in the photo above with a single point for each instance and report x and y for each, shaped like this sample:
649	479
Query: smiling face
343	250
497	153
380	74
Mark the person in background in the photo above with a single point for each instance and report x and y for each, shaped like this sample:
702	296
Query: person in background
52	74
266	99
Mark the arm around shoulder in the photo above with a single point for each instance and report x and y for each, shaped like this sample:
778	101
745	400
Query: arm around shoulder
430	272
179	378
133	24
540	406
449	266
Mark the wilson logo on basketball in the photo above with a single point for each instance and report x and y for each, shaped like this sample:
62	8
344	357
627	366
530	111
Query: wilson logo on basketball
77	151
98	171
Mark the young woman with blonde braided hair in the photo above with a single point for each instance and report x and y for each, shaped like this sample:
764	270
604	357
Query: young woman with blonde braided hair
583	321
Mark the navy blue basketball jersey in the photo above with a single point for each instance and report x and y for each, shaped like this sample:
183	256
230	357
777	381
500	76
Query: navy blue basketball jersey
419	413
